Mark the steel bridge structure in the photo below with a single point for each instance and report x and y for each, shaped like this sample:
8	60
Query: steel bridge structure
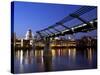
82	20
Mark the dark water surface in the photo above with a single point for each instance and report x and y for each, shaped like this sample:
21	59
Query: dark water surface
28	61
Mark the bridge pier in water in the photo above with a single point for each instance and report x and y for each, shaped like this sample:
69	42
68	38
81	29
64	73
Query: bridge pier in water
47	55
47	49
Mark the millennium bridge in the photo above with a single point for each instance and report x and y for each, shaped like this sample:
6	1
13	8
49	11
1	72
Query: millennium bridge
83	20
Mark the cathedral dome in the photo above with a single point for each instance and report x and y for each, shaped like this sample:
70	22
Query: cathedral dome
29	34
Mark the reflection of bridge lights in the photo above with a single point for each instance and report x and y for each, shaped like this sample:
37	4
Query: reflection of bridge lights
41	52
21	61
38	53
42	62
74	53
89	55
69	52
21	57
53	52
18	55
58	51
26	57
21	68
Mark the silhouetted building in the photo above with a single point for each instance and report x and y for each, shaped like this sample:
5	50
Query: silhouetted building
87	41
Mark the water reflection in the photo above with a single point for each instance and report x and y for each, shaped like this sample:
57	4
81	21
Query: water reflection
21	57
89	55
61	59
47	63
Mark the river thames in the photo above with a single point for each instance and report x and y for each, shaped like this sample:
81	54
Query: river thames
30	61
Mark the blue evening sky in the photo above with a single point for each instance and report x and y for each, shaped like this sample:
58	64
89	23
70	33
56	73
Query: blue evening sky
38	16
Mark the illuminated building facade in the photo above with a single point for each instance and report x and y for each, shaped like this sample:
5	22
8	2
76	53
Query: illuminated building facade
29	35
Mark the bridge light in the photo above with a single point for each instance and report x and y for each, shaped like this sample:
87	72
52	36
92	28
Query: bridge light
72	29
91	22
84	24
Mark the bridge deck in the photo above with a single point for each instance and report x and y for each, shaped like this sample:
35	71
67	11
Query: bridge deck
82	20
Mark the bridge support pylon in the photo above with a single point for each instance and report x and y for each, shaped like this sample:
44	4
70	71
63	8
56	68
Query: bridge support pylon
47	48
47	55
